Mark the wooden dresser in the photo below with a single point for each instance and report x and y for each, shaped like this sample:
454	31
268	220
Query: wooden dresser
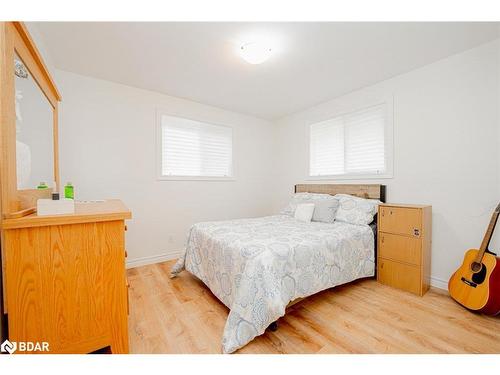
65	280
404	246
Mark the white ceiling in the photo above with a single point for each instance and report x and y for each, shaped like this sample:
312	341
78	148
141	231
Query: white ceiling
313	62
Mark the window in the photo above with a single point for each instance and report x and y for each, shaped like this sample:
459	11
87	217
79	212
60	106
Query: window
192	149
352	145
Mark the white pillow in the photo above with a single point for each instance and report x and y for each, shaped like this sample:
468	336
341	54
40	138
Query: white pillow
356	210
304	212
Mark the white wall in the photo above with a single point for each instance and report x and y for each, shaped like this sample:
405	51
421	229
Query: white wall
446	140
40	45
107	150
446	137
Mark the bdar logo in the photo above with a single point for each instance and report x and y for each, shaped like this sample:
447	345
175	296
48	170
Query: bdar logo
24	346
8	347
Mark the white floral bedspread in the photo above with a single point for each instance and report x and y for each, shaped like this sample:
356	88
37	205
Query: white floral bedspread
257	266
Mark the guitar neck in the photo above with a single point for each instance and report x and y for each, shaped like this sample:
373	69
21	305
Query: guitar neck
488	235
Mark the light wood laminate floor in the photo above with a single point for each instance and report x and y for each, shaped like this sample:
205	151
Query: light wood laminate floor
182	316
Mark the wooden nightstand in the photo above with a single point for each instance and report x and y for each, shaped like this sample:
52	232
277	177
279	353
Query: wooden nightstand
404	246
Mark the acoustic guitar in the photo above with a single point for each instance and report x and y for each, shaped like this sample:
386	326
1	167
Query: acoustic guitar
476	284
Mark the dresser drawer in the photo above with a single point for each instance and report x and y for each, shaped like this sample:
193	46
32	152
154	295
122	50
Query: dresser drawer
399	275
400	248
399	220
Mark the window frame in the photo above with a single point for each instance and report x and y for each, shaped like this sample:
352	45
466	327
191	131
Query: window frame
388	142
159	148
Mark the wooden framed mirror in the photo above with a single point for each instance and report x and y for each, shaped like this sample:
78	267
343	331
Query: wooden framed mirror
29	128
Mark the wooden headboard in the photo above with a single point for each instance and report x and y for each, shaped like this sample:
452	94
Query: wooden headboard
371	191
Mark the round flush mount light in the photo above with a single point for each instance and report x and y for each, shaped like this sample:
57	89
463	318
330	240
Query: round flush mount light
255	53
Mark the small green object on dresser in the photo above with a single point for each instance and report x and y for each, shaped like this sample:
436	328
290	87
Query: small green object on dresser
42	185
69	192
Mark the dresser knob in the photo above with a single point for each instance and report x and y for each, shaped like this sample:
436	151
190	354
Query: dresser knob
416	232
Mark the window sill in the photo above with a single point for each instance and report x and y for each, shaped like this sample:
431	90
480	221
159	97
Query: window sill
351	177
195	178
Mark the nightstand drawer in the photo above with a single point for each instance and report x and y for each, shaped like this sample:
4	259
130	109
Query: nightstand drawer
399	275
399	220
400	248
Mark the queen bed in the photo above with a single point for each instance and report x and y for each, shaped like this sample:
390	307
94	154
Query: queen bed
257	267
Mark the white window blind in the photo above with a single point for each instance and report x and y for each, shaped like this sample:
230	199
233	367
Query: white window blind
353	143
195	149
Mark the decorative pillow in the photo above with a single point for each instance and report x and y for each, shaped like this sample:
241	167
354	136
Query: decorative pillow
356	210
325	210
292	205
299	198
304	212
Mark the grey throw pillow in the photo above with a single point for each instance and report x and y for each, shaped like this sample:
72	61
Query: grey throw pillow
325	210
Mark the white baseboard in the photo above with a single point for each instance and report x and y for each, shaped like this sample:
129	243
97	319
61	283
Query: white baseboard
137	262
439	283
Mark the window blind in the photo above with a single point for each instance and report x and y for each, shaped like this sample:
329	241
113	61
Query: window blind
353	143
195	149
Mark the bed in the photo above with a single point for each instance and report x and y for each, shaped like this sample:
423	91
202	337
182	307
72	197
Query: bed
258	267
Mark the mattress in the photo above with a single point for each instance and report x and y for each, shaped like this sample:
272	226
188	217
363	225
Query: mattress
257	266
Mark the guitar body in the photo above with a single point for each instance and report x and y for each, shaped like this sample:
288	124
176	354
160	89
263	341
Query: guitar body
478	291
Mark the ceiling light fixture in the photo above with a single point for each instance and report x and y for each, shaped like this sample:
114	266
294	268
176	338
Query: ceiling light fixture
255	53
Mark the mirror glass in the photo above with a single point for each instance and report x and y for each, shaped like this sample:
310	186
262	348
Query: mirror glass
34	131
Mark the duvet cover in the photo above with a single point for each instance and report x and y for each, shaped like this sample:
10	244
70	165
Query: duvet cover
257	266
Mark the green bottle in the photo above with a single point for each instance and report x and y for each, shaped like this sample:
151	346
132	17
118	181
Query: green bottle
69	192
42	185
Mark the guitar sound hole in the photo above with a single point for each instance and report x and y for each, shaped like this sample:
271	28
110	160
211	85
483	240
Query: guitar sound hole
479	277
476	267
